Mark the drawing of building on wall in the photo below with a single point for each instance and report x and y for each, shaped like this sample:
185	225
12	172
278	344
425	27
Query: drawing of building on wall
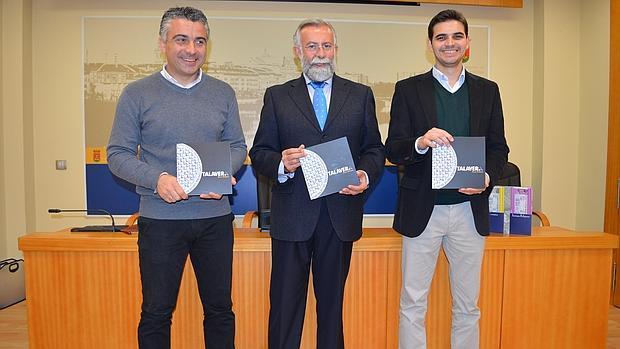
103	84
249	67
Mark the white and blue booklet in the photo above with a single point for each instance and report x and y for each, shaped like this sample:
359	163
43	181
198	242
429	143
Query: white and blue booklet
459	165
204	168
328	167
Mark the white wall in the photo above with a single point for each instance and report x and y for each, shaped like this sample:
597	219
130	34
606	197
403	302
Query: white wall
594	112
3	236
15	137
541	57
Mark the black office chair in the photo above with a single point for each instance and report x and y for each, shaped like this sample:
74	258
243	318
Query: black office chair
511	175
263	194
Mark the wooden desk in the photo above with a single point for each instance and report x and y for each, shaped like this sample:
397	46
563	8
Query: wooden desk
550	290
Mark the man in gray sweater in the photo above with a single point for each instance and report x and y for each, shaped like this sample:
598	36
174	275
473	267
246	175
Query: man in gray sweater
179	104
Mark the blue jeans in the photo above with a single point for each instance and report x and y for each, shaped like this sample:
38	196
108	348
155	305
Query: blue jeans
163	246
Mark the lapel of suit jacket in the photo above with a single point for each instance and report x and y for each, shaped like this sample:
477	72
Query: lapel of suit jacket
475	103
426	90
301	98
340	92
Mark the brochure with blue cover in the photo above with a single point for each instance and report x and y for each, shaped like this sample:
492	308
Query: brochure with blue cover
204	168
328	167
459	165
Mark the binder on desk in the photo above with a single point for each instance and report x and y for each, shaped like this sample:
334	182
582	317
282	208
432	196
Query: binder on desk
510	210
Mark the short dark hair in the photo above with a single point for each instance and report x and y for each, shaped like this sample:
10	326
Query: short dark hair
444	16
189	13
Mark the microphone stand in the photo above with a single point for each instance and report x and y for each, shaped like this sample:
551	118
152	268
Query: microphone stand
59	210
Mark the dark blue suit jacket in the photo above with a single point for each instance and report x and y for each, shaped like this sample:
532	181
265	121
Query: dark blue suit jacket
413	113
287	121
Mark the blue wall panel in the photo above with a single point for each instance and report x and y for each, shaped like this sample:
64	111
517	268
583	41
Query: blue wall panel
382	198
108	192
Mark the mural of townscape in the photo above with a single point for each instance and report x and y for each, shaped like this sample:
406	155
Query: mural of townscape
252	54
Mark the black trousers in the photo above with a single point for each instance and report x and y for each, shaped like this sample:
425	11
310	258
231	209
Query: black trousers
163	247
291	261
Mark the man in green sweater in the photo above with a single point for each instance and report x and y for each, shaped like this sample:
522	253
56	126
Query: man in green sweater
428	110
179	104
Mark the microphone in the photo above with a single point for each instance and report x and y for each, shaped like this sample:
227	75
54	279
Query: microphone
90	227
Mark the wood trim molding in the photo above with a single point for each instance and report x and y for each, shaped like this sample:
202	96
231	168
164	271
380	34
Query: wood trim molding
490	3
493	3
612	213
613	138
375	239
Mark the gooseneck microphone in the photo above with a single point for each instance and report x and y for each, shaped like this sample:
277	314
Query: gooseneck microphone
61	210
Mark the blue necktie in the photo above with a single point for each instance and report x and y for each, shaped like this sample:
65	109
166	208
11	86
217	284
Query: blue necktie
319	103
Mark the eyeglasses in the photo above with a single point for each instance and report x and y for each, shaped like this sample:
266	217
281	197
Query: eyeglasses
313	47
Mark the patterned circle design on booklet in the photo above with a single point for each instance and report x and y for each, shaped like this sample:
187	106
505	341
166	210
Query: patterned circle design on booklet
315	172
189	167
444	166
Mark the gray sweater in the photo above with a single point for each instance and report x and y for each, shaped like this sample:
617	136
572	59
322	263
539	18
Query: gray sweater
154	115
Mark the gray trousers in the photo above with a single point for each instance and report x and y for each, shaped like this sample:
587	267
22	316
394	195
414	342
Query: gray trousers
450	226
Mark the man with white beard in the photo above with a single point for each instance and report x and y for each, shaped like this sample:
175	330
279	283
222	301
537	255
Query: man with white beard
315	108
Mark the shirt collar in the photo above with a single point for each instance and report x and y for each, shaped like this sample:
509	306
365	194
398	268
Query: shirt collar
443	80
174	81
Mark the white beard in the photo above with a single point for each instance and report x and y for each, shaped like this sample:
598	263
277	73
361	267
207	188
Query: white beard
316	73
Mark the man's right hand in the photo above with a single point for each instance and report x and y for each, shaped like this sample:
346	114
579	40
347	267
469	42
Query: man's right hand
169	189
290	158
433	138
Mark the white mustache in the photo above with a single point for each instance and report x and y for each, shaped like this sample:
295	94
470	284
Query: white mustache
317	60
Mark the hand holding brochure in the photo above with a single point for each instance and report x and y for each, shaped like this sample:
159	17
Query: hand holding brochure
204	168
460	165
328	167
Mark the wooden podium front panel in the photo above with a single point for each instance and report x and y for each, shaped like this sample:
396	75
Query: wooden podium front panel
371	296
82	299
101	307
550	290
367	295
250	296
251	273
491	298
187	318
372	300
556	299
439	316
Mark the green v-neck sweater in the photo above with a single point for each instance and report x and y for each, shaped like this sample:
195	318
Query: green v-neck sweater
452	116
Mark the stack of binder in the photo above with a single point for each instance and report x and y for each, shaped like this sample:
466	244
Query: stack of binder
510	210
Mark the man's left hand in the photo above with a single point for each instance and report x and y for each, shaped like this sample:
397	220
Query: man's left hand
474	191
356	189
215	196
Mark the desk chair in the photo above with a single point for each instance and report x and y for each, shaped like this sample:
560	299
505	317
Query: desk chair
263	194
132	223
